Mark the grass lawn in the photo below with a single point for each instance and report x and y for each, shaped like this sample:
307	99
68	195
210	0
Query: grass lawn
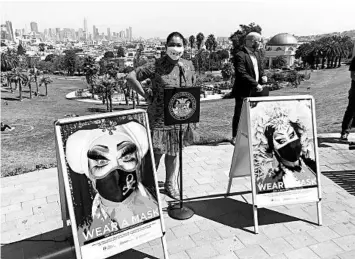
35	149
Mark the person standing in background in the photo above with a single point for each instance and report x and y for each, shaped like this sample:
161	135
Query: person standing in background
249	76
349	115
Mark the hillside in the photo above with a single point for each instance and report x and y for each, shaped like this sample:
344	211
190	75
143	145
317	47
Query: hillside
350	33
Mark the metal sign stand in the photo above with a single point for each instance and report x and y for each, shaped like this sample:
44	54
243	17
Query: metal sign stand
243	164
64	192
178	211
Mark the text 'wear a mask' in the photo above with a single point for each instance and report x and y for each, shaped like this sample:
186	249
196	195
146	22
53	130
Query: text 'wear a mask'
175	52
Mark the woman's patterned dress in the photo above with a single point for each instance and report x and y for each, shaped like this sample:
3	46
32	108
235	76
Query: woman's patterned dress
164	74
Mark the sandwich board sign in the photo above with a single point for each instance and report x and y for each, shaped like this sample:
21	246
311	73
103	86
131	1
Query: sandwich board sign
106	166
276	146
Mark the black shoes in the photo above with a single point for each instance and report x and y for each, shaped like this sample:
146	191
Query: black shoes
344	136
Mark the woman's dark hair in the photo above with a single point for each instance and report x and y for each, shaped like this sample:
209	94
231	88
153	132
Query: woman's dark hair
269	132
176	34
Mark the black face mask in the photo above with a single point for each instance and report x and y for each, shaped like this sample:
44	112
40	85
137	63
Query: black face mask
113	187
292	151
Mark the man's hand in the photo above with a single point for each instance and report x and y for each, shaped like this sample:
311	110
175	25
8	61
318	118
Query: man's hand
264	79
259	88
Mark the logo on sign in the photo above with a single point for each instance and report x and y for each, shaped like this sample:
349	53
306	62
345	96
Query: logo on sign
182	106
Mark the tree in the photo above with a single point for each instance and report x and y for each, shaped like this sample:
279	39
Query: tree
211	45
45	66
105	86
21	50
79	64
199	40
120	52
227	71
20	78
50	57
201	60
90	69
279	62
192	42
41	46
109	54
58	63
33	73
45	80
69	61
9	60
238	37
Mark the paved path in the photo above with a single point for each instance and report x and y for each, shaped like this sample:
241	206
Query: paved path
221	227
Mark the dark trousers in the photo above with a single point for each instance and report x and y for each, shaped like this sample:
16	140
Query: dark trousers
237	111
349	115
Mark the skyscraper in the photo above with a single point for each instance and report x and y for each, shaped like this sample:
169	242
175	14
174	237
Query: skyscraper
94	32
9	30
127	34
130	33
34	27
86	27
108	34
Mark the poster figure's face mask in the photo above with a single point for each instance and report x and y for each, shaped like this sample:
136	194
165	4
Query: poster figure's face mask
111	161
113	167
287	145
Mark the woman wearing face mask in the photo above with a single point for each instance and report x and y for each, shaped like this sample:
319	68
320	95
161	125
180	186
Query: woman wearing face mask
292	167
168	71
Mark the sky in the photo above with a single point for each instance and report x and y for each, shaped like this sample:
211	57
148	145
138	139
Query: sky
158	18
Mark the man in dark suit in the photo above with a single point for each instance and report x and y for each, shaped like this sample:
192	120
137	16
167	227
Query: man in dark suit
249	76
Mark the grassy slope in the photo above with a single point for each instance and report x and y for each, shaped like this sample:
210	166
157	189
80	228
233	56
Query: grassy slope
37	147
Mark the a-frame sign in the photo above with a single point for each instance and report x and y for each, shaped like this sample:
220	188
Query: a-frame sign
277	147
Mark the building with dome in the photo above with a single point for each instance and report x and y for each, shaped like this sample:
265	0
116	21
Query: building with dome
282	44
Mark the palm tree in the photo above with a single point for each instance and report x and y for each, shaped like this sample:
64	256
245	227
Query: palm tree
106	84
20	78
90	69
211	45
346	45
199	41
9	60
33	73
45	80
192	42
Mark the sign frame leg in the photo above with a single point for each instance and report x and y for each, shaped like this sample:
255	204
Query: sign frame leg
62	197
251	166
229	186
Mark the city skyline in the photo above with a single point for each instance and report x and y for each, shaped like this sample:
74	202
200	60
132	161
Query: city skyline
298	17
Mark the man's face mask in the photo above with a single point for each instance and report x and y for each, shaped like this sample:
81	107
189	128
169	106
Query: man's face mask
175	52
287	144
113	165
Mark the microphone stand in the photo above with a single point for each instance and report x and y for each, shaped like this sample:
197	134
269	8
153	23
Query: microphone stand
178	211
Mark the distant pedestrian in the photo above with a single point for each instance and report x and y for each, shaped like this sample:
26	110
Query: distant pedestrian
249	76
349	115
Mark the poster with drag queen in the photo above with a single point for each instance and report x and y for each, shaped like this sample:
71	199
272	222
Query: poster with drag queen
110	182
283	147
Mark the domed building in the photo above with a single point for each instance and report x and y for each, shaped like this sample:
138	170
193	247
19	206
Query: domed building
282	44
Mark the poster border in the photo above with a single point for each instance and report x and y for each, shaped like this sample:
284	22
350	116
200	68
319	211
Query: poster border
62	169
315	141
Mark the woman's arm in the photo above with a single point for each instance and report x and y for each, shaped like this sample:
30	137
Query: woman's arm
134	83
